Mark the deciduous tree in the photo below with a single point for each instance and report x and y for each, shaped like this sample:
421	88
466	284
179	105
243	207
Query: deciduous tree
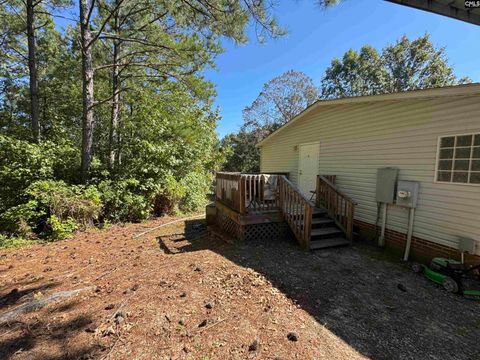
280	100
405	65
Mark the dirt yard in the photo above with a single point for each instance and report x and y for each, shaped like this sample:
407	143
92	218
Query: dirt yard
173	293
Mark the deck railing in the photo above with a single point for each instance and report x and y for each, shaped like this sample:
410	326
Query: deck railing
227	189
340	207
297	211
260	192
248	193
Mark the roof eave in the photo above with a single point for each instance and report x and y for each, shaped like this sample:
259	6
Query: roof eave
449	9
456	90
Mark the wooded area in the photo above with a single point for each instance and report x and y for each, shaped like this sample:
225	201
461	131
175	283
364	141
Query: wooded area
111	118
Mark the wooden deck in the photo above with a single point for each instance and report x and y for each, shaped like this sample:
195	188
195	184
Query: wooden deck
248	200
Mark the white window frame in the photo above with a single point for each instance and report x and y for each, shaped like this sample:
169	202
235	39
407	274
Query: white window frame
469	171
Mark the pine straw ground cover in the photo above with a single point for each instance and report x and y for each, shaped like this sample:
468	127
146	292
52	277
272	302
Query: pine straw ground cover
174	293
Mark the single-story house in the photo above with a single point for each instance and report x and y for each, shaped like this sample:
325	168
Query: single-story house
431	136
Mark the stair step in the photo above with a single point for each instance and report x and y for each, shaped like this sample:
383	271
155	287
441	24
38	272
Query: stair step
317	222
325	231
319	213
325	243
322	221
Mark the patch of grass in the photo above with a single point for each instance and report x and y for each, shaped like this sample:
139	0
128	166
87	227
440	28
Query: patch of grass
463	331
318	268
367	246
14	242
383	254
104	226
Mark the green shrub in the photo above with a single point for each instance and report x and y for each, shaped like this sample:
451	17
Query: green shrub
53	209
167	198
59	229
125	200
81	203
23	163
196	187
20	219
135	200
13	242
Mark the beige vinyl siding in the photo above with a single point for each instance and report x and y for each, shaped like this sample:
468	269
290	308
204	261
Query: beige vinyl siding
356	139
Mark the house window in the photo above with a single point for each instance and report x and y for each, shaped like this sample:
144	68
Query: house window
458	159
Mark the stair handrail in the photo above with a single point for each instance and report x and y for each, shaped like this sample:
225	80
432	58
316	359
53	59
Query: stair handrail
340	207
297	210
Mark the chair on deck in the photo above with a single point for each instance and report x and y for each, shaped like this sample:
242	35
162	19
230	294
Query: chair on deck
262	194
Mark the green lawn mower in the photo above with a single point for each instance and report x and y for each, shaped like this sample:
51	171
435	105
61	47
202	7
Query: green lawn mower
453	275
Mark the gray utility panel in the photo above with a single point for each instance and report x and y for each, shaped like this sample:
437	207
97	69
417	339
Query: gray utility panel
407	193
386	181
467	245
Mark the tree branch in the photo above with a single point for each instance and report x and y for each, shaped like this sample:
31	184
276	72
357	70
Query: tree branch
19	53
131	12
100	102
201	11
154	66
136	40
115	9
41	26
90	11
141	28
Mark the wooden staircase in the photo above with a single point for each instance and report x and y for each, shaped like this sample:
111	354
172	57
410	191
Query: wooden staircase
325	224
325	232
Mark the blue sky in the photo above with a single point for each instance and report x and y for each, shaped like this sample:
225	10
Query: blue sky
316	36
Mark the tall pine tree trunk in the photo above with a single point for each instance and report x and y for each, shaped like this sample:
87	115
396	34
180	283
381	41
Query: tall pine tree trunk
88	122
32	67
113	139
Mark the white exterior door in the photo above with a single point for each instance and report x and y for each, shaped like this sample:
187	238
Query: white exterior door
308	167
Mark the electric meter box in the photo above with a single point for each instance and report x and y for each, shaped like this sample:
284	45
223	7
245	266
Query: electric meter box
386	181
467	245
407	193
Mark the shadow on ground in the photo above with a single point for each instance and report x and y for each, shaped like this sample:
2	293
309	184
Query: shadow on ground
43	330
14	296
378	307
